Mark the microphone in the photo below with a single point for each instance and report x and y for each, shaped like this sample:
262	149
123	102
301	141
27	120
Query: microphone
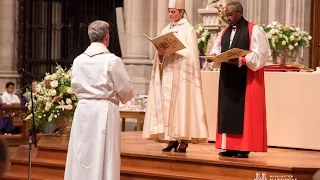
27	74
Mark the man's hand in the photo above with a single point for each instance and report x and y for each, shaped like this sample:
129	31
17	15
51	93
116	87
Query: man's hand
213	55
234	61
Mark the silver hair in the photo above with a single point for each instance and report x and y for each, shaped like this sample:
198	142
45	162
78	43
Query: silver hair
97	30
237	4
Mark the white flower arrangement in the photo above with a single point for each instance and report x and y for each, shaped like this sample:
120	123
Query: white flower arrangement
53	98
286	40
203	38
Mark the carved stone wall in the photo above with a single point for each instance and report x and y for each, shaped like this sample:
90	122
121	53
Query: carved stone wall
8	43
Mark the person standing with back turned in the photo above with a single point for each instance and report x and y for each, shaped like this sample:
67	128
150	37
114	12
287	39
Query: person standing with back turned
100	82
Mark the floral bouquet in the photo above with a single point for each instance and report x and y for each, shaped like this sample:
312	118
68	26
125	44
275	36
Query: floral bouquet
53	98
286	40
203	38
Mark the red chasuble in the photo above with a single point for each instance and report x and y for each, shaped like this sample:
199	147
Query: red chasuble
254	134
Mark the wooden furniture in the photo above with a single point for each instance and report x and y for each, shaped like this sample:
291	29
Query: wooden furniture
315	33
16	112
292	107
143	159
13	111
135	114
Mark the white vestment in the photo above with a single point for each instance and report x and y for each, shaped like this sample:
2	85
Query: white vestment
8	98
175	109
100	81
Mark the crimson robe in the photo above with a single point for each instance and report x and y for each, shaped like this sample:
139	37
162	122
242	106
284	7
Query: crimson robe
253	137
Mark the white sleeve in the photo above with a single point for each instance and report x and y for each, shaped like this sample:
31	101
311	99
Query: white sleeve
16	99
5	99
121	80
260	50
216	49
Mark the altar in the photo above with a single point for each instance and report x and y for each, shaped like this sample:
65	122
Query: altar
293	107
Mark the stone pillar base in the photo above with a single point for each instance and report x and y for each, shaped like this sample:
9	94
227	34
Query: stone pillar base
139	71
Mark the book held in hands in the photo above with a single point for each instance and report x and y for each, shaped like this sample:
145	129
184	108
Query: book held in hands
171	43
233	53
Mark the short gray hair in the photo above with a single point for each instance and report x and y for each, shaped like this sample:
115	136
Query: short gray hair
237	4
97	30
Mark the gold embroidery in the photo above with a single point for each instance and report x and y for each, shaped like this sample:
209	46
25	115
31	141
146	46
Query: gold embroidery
191	74
199	86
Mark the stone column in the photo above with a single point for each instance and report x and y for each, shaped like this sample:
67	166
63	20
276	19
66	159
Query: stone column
8	45
137	57
162	15
136	16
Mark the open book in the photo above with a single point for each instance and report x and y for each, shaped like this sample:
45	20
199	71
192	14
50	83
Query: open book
171	42
233	53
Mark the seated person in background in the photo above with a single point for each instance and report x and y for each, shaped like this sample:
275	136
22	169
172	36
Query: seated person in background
8	97
3	157
26	97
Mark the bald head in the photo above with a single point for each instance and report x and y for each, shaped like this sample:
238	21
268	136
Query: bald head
98	30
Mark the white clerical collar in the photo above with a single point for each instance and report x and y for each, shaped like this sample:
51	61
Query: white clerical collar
96	48
178	23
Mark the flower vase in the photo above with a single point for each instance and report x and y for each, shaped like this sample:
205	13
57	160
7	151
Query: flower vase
64	124
279	59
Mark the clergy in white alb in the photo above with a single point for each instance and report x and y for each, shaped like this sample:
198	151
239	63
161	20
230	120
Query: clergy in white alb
175	110
100	81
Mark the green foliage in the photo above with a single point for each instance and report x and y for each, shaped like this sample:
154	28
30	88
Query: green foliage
286	40
203	38
53	98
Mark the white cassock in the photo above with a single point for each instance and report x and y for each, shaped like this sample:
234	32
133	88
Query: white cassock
100	82
8	98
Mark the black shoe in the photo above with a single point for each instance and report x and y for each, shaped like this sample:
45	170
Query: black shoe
228	153
242	154
172	145
184	150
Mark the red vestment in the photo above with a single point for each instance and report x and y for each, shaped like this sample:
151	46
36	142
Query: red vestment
254	136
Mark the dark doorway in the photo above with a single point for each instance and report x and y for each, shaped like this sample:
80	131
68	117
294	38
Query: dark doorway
55	31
